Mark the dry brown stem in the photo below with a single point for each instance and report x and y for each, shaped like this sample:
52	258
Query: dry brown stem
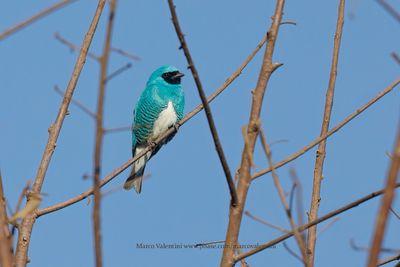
34	18
386	203
26	226
6	255
299	239
207	109
267	68
99	134
321	151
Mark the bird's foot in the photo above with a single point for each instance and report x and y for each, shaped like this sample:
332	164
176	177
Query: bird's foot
152	144
176	126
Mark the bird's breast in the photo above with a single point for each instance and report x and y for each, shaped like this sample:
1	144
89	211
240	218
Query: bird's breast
166	119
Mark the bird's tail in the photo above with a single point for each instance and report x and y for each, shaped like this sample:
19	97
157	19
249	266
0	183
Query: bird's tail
136	176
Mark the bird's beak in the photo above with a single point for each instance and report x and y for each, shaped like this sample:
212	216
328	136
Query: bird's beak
178	75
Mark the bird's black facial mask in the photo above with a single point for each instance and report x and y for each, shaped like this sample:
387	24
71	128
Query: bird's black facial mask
173	77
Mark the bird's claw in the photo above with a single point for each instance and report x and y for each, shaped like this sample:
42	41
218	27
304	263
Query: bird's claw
176	126
152	144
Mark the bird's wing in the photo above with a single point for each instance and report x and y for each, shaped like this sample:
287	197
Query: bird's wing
147	111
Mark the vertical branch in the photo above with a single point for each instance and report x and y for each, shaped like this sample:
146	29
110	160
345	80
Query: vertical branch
34	18
6	256
99	135
297	235
319	162
204	101
236	213
386	203
26	226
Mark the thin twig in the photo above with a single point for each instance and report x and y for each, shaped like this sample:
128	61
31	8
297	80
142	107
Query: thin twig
299	239
328	134
25	229
167	133
34	18
310	224
6	256
299	197
99	134
321	151
327	226
73	47
125	54
291	252
361	248
267	68
395	213
396	57
276	227
207	108
76	103
117	129
118	72
390	259
391	10
386	203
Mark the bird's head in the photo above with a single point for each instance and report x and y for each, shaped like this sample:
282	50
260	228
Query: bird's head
166	74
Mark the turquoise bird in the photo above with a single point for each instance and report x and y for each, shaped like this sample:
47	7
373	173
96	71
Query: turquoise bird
160	107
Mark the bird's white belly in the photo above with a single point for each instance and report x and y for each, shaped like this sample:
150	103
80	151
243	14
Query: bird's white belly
166	119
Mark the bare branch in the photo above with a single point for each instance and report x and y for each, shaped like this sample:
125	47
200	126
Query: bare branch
310	224
267	68
321	151
291	252
207	108
34	18
386	203
73	47
390	259
25	229
190	115
125	54
396	57
299	239
118	72
276	227
117	129
391	10
326	227
395	213
6	256
332	131
99	135
76	103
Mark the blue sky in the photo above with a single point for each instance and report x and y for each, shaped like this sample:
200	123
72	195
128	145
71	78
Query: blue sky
185	200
